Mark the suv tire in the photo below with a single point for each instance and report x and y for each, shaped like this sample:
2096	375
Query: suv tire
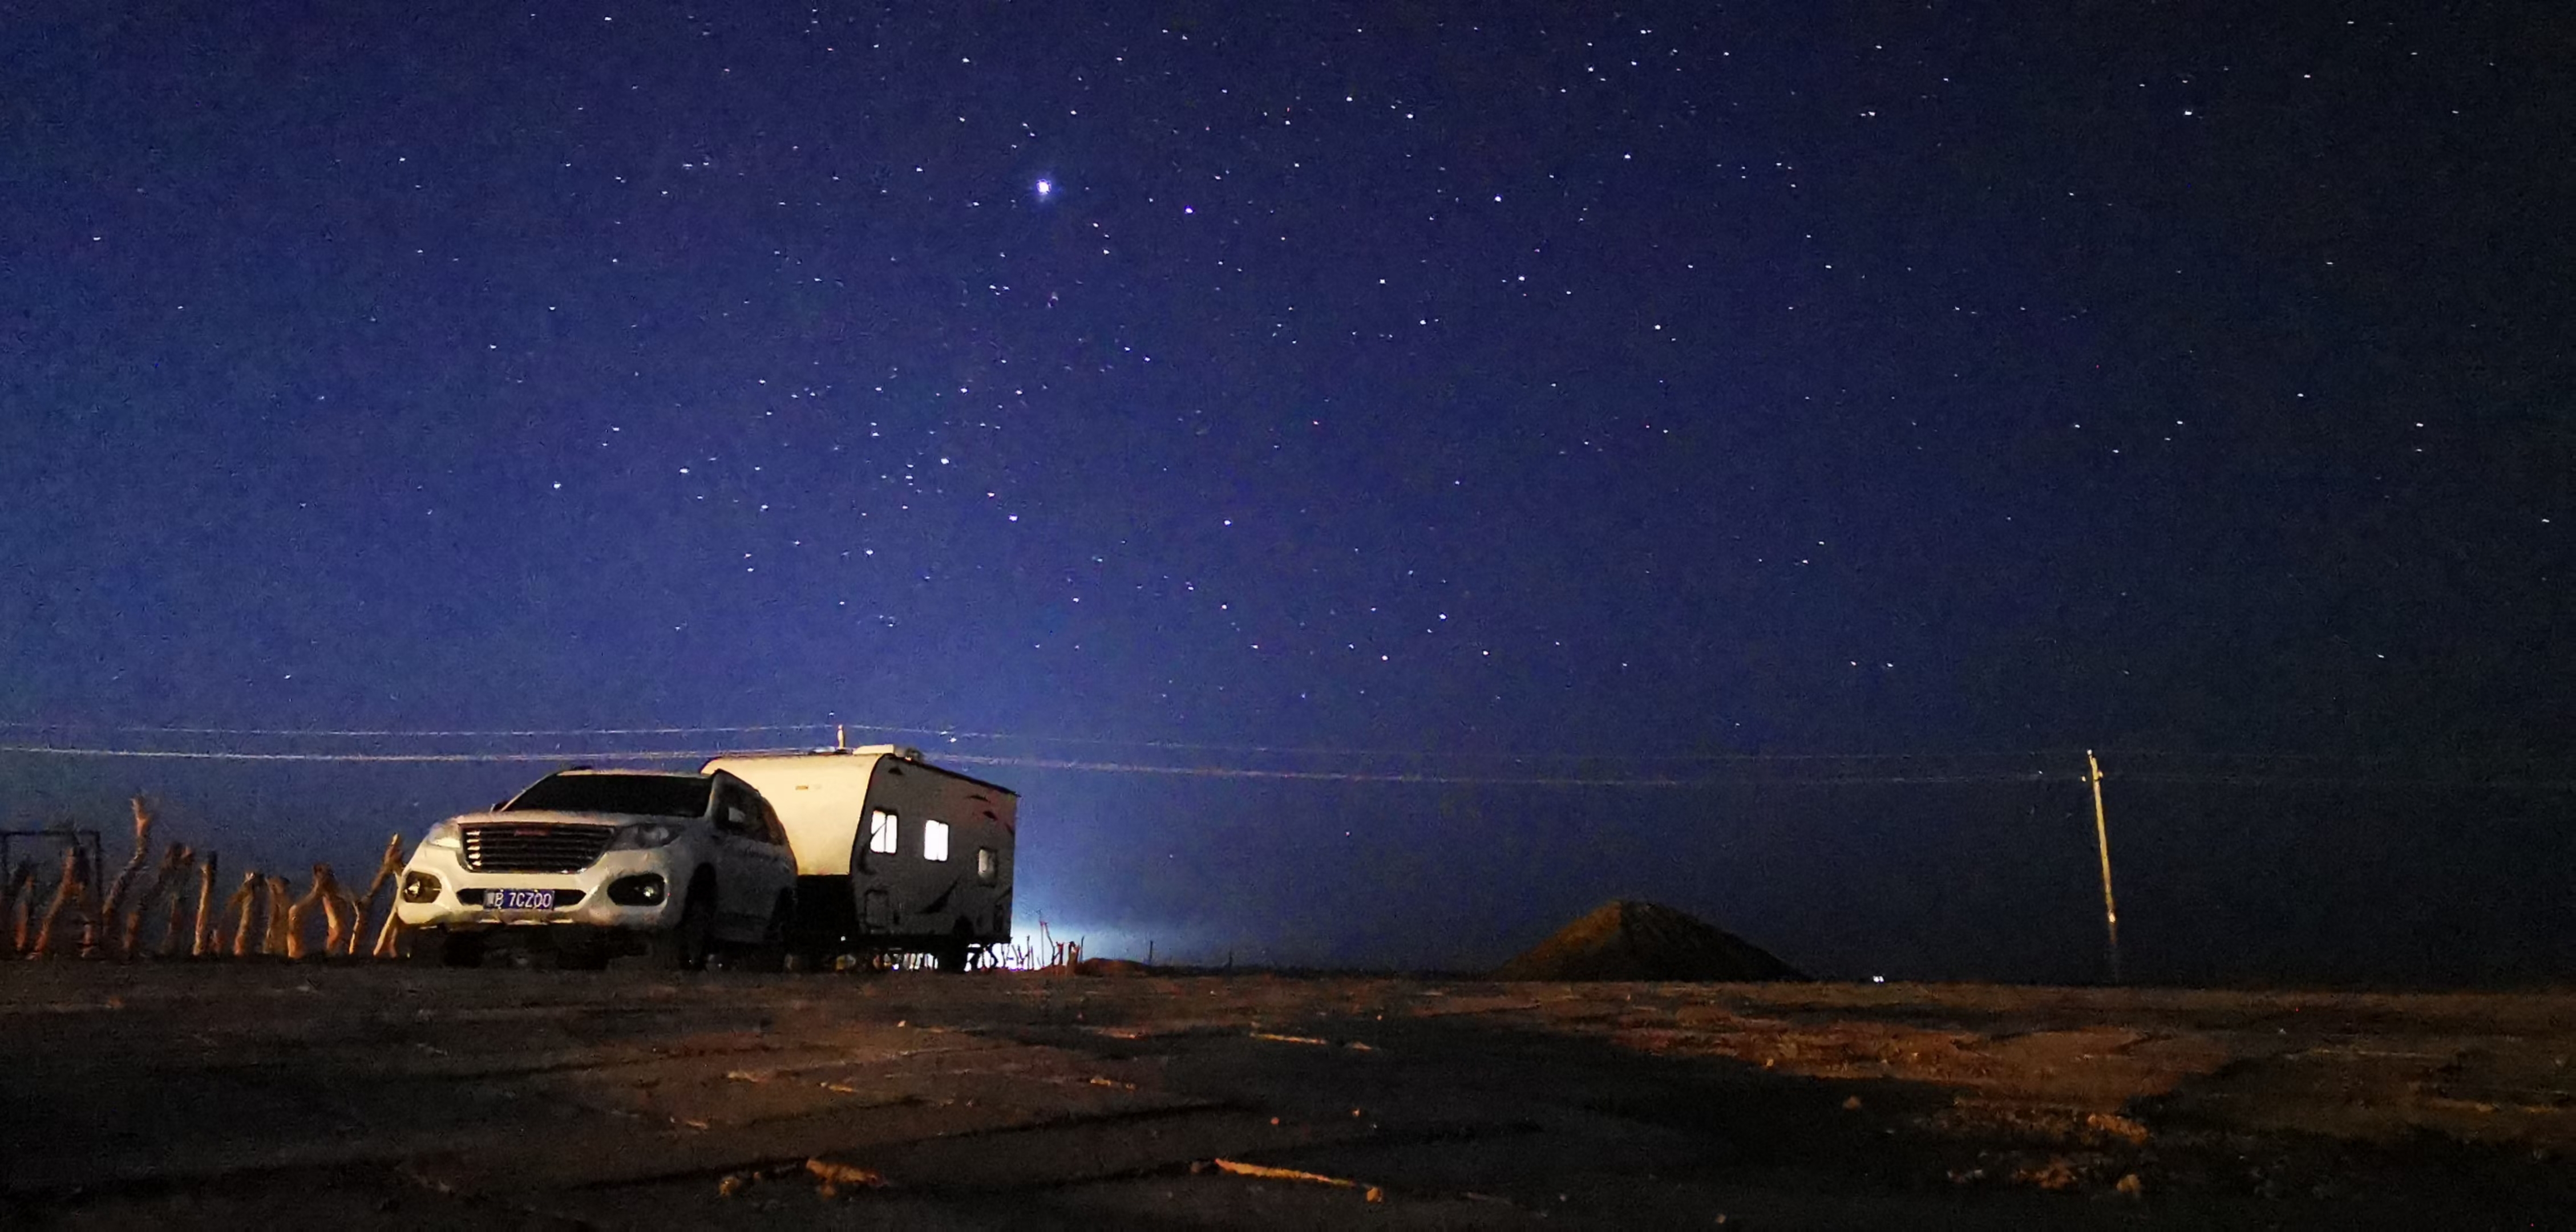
770	953
438	947
684	945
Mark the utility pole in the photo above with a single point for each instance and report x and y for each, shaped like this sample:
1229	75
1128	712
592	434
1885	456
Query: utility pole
2102	843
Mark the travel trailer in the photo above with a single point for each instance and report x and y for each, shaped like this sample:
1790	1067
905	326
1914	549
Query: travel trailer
893	854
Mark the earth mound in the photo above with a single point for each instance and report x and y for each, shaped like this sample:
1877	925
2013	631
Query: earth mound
1623	940
1113	967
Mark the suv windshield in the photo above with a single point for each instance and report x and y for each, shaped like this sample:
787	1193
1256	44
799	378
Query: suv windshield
643	795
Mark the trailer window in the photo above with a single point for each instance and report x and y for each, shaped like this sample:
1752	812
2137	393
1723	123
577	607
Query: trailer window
988	865
881	827
934	840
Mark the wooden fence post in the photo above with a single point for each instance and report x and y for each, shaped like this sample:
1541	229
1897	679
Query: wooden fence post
174	928
339	919
111	912
281	916
22	905
129	928
331	901
389	938
246	901
205	939
73	887
386	870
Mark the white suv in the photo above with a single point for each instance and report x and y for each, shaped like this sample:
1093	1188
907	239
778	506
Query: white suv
596	863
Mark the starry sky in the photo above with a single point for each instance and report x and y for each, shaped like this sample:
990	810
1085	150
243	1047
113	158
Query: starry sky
1691	402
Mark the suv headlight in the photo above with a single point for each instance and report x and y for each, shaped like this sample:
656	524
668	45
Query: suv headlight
444	835
645	837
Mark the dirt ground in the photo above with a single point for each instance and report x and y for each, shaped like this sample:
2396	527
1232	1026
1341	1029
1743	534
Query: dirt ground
357	1096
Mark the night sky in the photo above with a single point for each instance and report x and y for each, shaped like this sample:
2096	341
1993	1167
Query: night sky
1659	398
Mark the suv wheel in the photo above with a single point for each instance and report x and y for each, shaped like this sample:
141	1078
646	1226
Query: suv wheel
437	947
683	946
581	954
770	952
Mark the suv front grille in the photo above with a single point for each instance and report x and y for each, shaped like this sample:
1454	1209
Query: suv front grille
500	847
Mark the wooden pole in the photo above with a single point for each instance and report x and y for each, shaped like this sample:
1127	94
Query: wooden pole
22	905
389	938
205	939
111	910
281	916
386	870
349	920
129	943
333	901
67	894
246	901
9	895
174	930
2102	844
299	918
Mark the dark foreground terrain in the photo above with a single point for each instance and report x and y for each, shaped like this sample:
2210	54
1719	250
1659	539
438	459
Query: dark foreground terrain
370	1096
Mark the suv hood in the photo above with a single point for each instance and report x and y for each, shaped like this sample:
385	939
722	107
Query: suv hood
547	817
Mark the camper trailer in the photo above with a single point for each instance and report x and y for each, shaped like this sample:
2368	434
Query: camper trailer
893	854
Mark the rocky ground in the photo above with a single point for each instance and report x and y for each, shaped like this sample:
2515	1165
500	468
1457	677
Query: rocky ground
360	1095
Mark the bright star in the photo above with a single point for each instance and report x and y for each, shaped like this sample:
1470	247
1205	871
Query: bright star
1046	189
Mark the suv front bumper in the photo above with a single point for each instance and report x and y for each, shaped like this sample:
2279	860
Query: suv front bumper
448	909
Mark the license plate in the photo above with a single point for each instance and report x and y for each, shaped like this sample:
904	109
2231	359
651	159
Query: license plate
519	900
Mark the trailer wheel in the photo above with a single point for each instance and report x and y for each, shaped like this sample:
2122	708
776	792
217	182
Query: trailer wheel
954	954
